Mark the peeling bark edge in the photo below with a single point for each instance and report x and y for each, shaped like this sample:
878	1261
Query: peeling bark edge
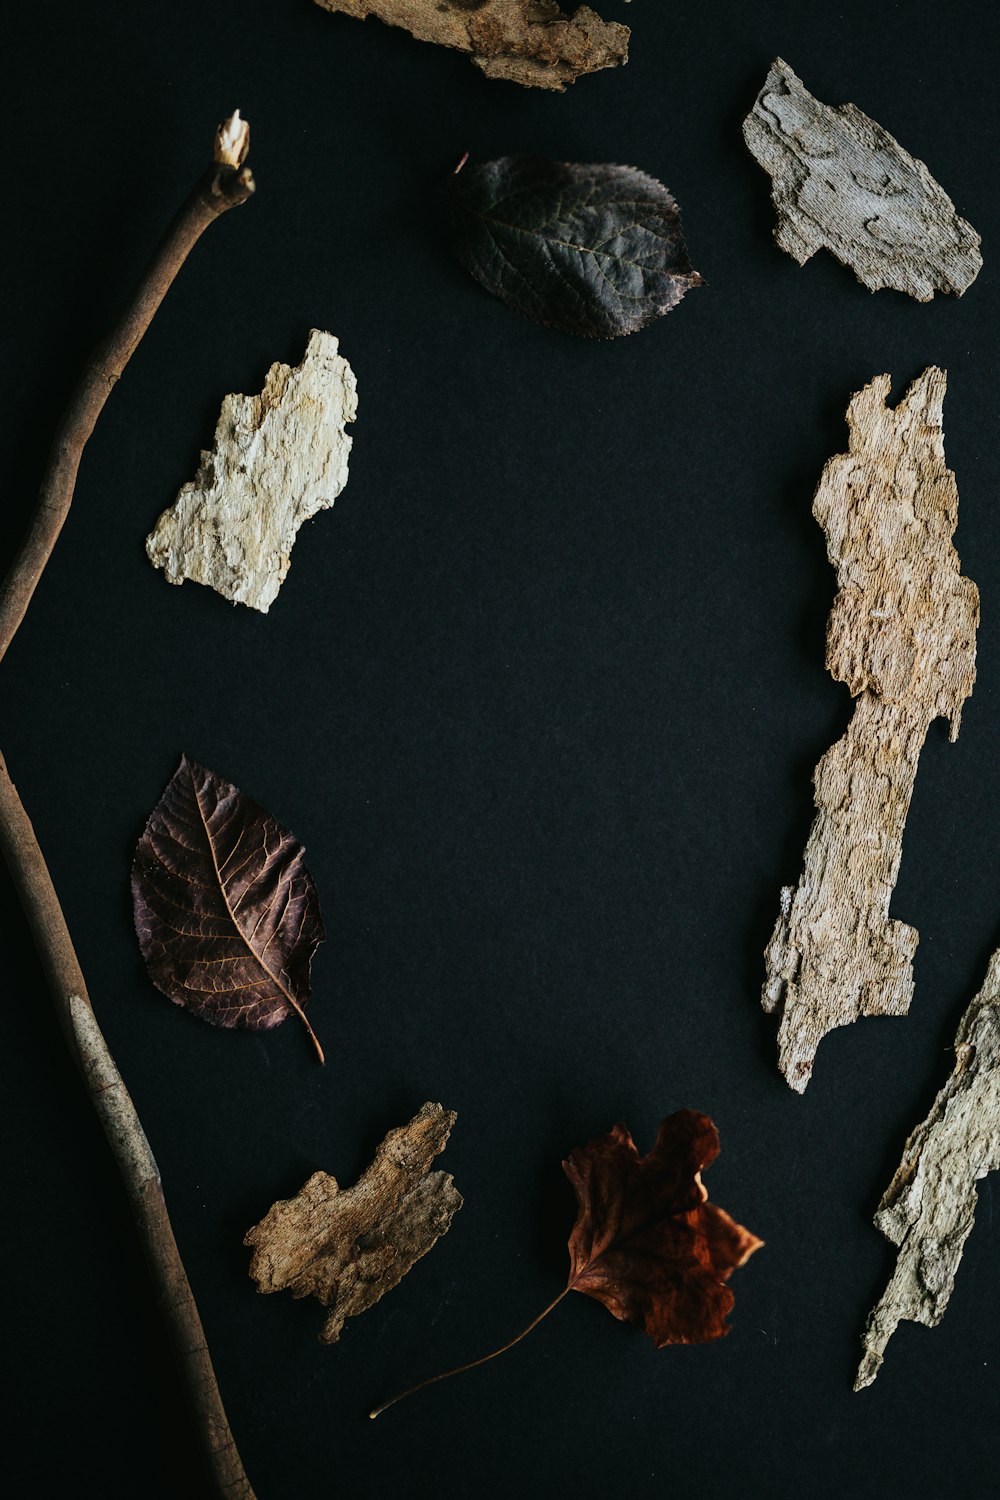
929	1207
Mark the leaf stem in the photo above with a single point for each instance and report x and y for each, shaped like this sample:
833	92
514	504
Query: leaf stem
472	1365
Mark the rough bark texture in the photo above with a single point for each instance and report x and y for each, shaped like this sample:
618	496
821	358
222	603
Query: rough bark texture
841	182
349	1247
902	635
278	459
531	42
929	1206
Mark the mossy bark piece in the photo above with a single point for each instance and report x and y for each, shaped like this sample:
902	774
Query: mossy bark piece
929	1207
840	182
902	636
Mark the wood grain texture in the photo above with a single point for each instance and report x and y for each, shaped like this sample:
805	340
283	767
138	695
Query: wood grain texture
531	42
348	1247
278	458
929	1207
840	182
902	636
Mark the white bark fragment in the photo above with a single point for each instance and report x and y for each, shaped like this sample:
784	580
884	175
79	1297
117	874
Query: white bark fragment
929	1206
842	183
278	459
902	636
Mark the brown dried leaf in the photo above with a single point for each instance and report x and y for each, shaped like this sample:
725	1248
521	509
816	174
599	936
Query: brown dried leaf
226	912
531	42
347	1248
646	1241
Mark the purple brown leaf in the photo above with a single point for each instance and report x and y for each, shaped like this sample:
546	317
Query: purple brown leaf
226	913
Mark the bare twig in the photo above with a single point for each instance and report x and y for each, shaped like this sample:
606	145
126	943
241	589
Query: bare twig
227	183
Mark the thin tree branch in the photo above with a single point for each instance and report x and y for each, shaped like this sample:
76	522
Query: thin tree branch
227	183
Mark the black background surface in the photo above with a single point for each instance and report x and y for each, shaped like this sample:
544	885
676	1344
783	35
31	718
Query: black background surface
542	695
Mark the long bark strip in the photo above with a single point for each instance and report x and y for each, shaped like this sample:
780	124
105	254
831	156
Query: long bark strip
929	1207
902	636
531	42
227	183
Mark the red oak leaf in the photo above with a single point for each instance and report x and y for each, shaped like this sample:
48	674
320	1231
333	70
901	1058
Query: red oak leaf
646	1241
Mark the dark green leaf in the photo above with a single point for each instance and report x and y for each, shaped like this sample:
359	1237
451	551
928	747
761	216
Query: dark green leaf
594	250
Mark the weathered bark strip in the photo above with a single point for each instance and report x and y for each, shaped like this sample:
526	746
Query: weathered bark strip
929	1206
902	636
348	1247
227	183
278	458
531	42
842	183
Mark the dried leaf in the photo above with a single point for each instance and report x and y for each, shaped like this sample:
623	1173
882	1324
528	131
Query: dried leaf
226	912
593	250
902	635
278	459
646	1241
929	1206
348	1248
531	42
842	183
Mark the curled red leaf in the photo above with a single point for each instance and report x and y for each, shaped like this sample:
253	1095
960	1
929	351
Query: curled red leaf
226	912
646	1242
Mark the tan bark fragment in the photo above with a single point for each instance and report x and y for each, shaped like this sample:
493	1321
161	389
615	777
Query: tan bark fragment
531	42
902	635
278	459
349	1247
929	1206
842	183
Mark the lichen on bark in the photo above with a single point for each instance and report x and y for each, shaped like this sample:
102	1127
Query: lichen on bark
839	181
902	636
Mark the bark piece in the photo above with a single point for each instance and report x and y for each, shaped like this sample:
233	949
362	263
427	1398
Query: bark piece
841	182
531	42
348	1247
929	1206
278	459
902	636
